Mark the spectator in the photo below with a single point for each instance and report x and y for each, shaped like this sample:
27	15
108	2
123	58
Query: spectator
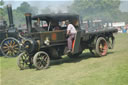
124	29
119	30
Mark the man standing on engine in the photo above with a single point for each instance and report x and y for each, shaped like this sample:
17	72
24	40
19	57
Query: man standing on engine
71	32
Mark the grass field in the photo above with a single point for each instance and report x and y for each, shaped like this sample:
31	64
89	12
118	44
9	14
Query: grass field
87	70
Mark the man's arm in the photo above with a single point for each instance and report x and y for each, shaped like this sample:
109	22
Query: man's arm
68	31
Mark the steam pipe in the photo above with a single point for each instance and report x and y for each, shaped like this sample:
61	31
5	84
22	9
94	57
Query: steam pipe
28	22
10	16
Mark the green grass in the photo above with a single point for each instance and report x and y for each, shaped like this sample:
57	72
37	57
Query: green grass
86	70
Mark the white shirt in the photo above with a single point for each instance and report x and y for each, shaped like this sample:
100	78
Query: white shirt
71	28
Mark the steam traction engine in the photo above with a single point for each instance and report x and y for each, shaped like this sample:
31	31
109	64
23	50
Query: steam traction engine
46	40
9	44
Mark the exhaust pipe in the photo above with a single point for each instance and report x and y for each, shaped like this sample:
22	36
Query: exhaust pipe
10	16
28	22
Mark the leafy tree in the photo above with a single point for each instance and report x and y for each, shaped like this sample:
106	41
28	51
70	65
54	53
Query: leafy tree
26	8
18	13
1	9
1	2
18	17
101	9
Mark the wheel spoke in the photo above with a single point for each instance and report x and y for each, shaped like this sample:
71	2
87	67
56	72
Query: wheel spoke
5	47
44	63
5	50
39	63
12	53
45	59
5	44
13	43
8	43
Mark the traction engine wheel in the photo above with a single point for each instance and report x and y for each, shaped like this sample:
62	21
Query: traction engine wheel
24	61
41	60
10	47
101	47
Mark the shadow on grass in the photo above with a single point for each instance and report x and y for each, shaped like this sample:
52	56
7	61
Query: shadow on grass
72	60
67	59
1	54
110	53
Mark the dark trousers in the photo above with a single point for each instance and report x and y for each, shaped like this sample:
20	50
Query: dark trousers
70	39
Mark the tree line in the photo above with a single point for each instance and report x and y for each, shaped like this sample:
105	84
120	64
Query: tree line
107	10
18	13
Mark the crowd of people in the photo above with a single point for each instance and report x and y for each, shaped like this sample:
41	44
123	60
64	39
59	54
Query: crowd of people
123	29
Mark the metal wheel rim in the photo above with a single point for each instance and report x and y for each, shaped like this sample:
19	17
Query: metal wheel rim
42	60
10	47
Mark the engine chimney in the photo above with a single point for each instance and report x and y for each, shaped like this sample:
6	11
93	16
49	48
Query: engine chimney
28	22
10	16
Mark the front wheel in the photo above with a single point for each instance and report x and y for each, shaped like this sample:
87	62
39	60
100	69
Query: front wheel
41	60
23	61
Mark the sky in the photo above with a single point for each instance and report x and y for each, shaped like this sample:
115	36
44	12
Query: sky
54	4
38	0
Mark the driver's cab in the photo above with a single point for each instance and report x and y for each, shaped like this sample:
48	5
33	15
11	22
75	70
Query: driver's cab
39	25
56	22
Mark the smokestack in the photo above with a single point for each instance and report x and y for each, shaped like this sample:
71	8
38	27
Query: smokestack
28	22
10	16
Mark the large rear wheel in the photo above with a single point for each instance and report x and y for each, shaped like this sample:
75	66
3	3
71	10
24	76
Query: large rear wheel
10	47
101	47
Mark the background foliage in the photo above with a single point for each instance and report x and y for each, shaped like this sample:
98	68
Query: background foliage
18	13
107	10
